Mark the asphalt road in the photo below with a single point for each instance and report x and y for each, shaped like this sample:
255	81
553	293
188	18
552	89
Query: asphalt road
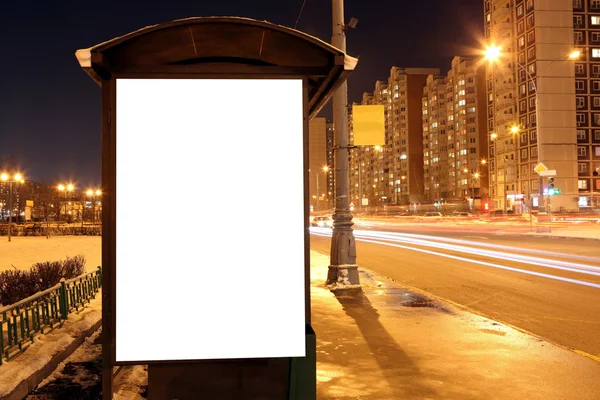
555	293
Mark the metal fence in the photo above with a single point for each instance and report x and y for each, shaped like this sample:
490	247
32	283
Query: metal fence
44	311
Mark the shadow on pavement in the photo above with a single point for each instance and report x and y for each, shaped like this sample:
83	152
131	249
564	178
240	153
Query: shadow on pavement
399	370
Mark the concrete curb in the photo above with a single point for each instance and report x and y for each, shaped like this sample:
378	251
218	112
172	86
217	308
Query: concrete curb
28	385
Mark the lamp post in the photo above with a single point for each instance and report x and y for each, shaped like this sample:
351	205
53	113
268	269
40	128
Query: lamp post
492	54
342	269
471	186
16	178
93	193
65	188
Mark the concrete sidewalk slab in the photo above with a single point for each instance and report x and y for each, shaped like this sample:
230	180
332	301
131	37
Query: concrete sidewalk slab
387	342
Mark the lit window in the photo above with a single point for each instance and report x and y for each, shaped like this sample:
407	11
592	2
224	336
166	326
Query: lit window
595	53
582	184
595	20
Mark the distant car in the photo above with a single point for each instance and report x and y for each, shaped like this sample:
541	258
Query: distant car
324	221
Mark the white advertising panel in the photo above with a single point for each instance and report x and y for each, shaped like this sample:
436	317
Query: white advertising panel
209	219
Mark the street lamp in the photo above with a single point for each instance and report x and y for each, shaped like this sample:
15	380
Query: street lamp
472	179
492	54
325	169
16	178
62	188
93	193
343	268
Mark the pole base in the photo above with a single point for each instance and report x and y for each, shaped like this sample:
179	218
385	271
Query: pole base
343	276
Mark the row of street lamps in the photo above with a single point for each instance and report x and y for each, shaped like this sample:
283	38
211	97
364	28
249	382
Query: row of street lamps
18	178
92	193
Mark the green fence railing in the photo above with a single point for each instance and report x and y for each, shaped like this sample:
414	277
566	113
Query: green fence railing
44	311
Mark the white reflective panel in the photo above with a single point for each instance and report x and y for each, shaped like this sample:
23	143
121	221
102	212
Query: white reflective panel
210	219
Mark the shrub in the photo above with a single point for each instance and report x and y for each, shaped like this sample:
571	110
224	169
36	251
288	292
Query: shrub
48	273
16	285
73	267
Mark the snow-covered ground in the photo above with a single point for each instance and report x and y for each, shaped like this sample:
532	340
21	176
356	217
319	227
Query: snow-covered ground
34	358
24	251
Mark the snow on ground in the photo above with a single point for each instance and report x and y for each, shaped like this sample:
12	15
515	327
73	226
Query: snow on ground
77	376
46	346
24	251
131	383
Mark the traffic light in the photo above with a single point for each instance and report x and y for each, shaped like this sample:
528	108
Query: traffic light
550	183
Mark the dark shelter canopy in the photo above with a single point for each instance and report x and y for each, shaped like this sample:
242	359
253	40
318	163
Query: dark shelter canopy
222	45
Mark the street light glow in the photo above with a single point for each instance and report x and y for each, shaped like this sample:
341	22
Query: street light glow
476	175
514	129
492	53
4	177
574	54
70	187
18	177
483	161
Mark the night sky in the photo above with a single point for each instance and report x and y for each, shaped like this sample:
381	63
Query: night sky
50	109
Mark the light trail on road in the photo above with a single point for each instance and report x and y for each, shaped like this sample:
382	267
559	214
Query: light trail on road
470	247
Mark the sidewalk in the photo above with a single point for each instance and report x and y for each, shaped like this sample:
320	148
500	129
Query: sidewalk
386	343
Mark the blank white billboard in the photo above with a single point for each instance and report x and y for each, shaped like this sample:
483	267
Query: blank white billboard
209	219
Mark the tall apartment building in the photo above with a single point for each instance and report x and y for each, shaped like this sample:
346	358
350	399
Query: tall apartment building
393	173
455	154
531	87
317	159
435	139
586	26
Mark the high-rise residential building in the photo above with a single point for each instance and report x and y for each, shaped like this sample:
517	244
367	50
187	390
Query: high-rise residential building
586	34
531	102
393	173
435	139
455	155
317	160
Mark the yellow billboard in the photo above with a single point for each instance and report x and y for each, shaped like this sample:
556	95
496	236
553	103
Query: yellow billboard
368	125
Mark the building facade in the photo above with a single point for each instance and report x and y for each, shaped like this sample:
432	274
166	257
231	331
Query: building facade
318	164
531	102
455	154
586	36
393	173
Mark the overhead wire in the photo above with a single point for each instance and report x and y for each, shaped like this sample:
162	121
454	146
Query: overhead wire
299	14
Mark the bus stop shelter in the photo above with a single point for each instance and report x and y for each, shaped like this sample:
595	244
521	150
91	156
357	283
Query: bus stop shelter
215	48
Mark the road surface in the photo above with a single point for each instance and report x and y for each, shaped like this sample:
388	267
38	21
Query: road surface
549	287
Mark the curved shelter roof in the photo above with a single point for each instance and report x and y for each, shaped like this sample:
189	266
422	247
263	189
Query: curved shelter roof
222	46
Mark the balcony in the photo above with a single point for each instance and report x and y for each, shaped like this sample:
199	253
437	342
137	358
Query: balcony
505	102
501	12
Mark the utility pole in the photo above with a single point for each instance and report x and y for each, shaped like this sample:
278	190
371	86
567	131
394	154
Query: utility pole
342	269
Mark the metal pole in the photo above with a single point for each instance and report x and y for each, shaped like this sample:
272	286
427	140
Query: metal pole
342	269
10	206
472	193
360	184
317	173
